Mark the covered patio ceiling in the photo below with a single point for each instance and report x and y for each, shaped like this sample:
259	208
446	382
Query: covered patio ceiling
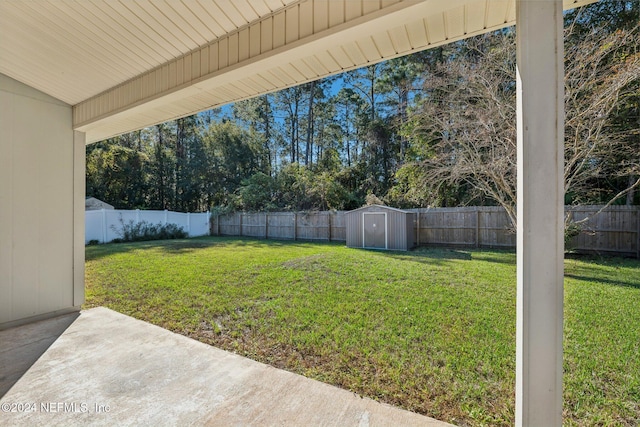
124	65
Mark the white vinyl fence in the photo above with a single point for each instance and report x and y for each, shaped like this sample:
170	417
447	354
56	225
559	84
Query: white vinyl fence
106	225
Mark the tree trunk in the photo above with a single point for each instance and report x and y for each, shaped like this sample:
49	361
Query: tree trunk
631	194
294	127
309	149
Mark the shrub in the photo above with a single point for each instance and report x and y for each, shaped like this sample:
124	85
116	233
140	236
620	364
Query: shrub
143	230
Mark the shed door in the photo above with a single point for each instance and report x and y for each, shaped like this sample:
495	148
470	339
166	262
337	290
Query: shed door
374	230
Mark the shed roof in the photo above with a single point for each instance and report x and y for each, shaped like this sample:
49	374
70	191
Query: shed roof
91	203
379	207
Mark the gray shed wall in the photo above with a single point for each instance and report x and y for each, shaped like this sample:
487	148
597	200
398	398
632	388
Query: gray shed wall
410	230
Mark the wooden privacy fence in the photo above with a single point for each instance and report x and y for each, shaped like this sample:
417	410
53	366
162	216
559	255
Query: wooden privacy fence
476	226
326	225
616	230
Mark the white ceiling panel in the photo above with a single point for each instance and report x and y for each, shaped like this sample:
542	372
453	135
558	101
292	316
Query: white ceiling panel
74	50
454	19
417	33
475	16
305	69
354	53
317	66
369	49
276	78
400	39
328	62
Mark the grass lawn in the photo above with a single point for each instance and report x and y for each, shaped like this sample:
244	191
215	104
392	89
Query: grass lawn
432	330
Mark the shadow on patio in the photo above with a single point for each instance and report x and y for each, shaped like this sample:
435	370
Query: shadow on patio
105	368
22	347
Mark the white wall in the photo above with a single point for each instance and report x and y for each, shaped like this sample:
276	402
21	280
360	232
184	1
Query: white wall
38	222
105	225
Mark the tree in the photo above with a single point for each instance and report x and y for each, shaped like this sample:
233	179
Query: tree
233	157
607	15
348	103
312	90
294	182
189	164
289	101
162	168
257	193
464	127
602	78
111	169
365	81
397	82
257	115
464	124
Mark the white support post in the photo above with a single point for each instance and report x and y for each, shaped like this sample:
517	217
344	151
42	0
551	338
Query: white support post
540	250
79	176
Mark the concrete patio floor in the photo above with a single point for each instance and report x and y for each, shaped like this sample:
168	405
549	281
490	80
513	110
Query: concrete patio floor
101	367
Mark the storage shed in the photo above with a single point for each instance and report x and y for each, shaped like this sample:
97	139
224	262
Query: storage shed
93	204
380	227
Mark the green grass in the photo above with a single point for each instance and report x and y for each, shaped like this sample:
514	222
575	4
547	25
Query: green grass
432	331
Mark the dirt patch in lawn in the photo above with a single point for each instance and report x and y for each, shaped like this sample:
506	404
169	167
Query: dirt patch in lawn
312	263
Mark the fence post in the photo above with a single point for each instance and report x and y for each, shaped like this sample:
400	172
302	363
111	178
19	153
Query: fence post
240	223
418	228
266	226
209	222
138	216
218	225
329	221
166	216
638	233
477	227
188	223
104	226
